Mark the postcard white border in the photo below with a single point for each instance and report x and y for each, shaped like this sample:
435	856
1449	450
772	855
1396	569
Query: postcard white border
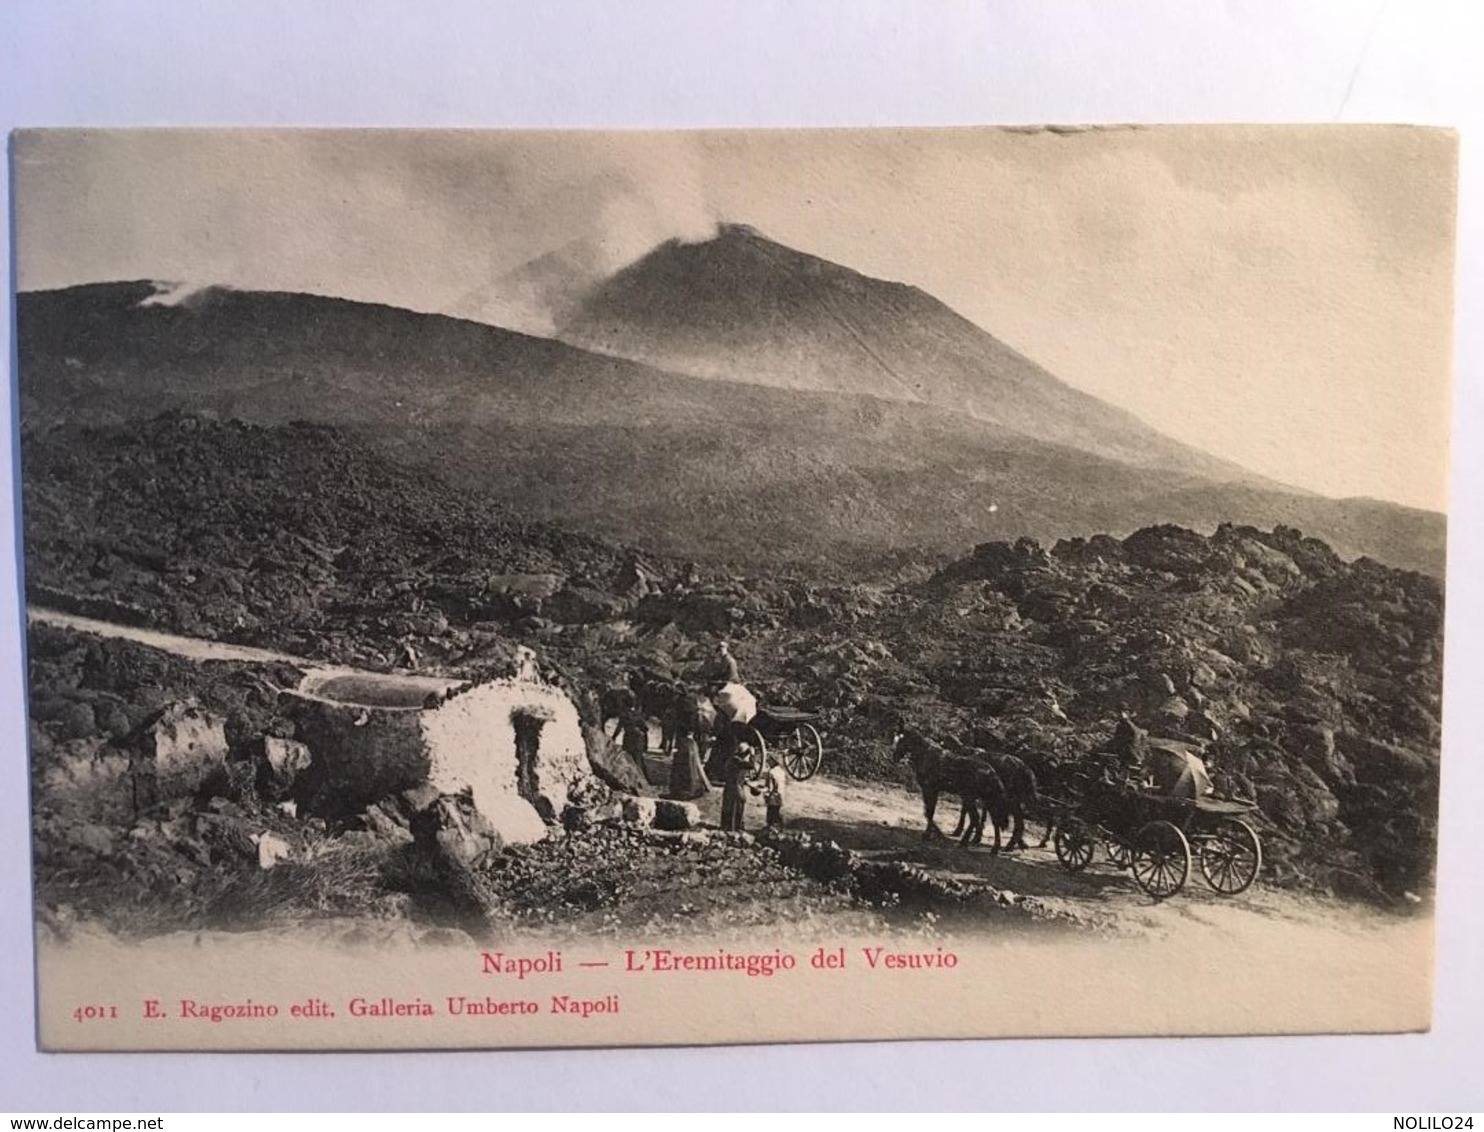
866	62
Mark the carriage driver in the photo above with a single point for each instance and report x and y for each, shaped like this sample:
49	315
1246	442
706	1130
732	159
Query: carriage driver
1166	766
724	666
733	701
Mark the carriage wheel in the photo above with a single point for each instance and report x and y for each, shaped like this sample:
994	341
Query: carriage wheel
1161	859
1119	852
753	737
1074	846
802	752
1231	857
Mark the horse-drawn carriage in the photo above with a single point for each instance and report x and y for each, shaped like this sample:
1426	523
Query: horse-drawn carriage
787	731
1158	837
790	733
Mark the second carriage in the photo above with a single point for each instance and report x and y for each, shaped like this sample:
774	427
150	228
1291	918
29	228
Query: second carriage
1159	838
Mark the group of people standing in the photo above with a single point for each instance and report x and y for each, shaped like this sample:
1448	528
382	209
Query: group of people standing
732	761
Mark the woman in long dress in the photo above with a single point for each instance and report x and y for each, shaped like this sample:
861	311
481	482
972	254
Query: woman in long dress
687	776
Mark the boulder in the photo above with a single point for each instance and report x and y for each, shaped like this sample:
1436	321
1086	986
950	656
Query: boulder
582	605
639	811
420	797
113	720
83	779
227	835
455	834
1201	675
1317	748
1170	714
386	823
76	721
282	761
1170	549
1355	886
233	779
272	849
1270	565
1200	725
670	814
610	762
175	750
1160	684
1380	763
1047	604
519	594
1281	806
636	579
695	613
95	838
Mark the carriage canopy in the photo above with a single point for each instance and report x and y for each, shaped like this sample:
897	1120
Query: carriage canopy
1177	770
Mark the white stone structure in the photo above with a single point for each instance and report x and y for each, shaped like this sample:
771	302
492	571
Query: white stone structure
516	743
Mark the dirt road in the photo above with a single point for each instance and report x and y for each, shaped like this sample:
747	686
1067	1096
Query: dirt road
318	675
192	648
884	820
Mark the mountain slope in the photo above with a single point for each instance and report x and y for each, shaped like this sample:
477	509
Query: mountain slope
714	470
740	307
534	297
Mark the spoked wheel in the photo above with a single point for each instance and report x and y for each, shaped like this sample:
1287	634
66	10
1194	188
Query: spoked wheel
1231	857
802	752
1119	852
754	738
1161	859
1074	846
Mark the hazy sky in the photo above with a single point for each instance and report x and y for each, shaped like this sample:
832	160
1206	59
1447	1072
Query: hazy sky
1279	297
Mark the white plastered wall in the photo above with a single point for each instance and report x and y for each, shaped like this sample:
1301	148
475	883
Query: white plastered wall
471	742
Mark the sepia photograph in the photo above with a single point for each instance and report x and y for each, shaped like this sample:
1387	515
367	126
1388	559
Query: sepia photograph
572	588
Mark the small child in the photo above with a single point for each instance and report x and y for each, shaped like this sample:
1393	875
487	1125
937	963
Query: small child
775	783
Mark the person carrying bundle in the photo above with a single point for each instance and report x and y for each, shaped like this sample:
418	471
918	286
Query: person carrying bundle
733	701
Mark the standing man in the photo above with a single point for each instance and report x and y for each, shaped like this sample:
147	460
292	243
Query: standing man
738	770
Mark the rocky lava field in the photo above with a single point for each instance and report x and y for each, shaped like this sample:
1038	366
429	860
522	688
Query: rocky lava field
1319	678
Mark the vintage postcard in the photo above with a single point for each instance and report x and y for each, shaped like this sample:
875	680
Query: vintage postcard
494	589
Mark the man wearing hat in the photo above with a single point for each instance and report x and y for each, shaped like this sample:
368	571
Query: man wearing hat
737	773
732	699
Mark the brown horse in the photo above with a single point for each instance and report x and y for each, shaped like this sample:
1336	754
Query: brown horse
650	695
616	704
1024	776
1022	798
646	691
939	771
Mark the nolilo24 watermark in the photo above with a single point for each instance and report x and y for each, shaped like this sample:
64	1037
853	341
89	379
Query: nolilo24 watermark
1431	1123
